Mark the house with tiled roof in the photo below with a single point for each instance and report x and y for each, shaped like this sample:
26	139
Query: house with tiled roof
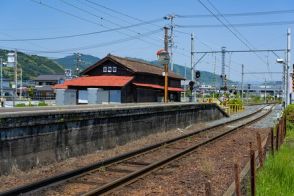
132	80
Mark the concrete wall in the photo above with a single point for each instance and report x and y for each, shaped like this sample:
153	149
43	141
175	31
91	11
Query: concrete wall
29	138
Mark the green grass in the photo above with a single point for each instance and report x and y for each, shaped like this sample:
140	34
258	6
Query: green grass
277	176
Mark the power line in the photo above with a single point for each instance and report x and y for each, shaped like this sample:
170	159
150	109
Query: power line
246	42
115	11
74	35
224	24
114	23
238	14
274	23
123	14
102	18
140	20
118	41
65	12
256	50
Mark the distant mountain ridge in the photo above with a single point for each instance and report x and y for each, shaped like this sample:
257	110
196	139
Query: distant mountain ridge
70	62
34	65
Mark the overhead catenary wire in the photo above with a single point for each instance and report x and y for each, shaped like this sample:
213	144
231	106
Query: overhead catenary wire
140	20
256	24
82	34
102	44
65	12
104	19
73	35
273	12
242	38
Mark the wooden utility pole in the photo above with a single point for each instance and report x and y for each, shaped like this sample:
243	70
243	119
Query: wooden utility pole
166	66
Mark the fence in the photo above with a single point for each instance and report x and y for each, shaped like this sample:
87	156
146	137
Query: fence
257	158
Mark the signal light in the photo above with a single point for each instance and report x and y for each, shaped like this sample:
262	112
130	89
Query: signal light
191	84
197	74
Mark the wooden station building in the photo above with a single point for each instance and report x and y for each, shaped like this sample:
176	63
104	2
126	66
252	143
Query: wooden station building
135	81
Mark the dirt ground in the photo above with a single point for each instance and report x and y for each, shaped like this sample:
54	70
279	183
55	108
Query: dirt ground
187	176
18	177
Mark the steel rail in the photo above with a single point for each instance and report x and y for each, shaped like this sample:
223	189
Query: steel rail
57	179
109	187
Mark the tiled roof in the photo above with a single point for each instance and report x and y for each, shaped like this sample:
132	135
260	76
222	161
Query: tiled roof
44	88
135	66
158	86
96	81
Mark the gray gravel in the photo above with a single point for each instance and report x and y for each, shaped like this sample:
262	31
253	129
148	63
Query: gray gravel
248	110
270	120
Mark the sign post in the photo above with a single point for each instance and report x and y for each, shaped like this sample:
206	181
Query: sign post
163	58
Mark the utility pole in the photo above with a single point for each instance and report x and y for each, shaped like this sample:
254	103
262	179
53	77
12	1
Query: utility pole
223	65
166	66
288	64
214	76
264	90
78	63
284	85
193	78
20	90
242	80
224	77
1	81
171	38
15	77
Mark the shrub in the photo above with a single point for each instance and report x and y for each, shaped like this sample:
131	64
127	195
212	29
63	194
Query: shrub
42	103
20	105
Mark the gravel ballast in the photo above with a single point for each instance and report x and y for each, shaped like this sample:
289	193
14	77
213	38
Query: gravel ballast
18	178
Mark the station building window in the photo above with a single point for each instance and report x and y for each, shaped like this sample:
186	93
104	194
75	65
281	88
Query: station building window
104	69
109	69
114	69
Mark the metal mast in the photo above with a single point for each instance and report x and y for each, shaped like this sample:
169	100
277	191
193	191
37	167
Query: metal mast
223	65
1	81
242	80
193	78
192	58
20	89
15	77
289	84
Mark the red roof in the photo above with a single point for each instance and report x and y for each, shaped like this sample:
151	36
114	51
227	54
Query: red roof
158	87
96	81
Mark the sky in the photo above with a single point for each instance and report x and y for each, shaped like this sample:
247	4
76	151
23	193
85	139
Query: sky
34	19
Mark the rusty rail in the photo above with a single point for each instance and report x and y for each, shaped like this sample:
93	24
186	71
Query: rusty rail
81	171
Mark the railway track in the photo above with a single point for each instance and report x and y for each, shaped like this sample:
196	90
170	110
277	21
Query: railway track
105	176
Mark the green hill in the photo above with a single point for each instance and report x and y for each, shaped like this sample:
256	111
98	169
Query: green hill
32	65
69	62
